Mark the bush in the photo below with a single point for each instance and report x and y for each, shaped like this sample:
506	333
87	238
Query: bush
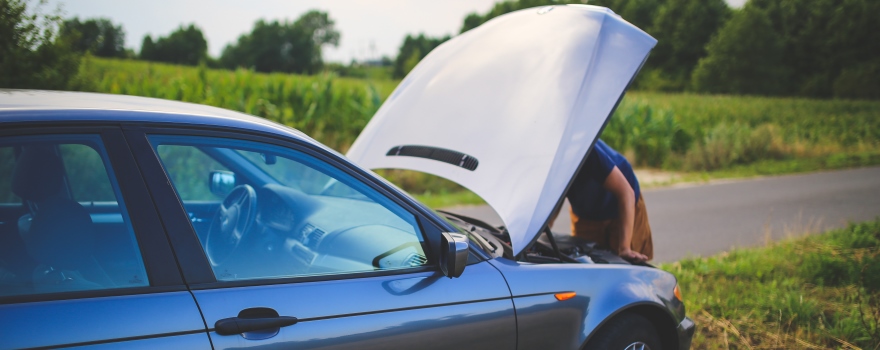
32	54
851	258
866	235
648	135
860	81
728	144
828	269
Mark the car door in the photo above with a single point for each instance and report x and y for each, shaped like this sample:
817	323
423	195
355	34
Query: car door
316	252
84	260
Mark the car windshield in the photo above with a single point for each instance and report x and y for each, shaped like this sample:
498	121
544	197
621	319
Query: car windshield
293	174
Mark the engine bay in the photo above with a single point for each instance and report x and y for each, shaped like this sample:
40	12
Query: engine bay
568	249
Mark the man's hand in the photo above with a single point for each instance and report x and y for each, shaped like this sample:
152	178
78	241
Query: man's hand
633	256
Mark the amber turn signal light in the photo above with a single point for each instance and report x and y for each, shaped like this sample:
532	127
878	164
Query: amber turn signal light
677	293
564	296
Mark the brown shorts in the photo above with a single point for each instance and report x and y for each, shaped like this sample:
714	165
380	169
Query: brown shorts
606	233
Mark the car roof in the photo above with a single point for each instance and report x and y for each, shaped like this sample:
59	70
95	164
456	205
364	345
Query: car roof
17	106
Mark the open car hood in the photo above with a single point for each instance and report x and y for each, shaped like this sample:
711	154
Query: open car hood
510	108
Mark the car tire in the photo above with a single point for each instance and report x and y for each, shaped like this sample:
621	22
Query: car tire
627	331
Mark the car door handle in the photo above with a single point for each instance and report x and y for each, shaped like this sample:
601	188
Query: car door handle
253	319
238	325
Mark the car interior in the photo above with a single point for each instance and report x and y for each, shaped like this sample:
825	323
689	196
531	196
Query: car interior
52	242
266	212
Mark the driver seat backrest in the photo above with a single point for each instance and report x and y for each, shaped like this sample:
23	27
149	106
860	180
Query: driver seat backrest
60	233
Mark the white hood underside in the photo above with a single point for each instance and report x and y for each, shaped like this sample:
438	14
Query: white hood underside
525	95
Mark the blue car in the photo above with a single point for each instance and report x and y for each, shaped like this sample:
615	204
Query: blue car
129	222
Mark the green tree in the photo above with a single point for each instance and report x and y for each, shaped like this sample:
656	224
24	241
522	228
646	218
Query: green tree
32	54
853	49
96	35
640	13
413	50
859	81
284	46
822	38
682	29
185	45
473	19
828	49
744	58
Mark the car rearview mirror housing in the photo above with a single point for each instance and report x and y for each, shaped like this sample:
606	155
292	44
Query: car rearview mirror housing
453	253
221	182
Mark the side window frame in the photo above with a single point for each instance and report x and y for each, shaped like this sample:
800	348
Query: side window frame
158	259
197	271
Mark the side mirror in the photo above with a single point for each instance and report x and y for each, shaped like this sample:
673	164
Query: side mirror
453	253
221	182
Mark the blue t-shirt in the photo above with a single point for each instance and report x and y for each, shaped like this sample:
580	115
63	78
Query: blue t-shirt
589	199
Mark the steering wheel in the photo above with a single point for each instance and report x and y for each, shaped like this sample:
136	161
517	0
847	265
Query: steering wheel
234	218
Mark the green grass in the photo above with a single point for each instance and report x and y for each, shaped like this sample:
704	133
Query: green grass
449	199
820	291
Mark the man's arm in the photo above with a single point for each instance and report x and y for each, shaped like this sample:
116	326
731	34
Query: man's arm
616	184
553	217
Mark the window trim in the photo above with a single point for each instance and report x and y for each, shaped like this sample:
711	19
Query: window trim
200	275
89	294
161	268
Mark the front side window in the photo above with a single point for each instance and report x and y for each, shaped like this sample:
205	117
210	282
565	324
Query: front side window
63	224
282	213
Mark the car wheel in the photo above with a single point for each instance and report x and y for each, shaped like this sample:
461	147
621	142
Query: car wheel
627	331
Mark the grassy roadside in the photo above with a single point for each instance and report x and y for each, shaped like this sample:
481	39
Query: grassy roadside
814	292
767	168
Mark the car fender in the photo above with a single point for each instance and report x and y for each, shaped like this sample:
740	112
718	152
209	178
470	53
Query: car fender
601	292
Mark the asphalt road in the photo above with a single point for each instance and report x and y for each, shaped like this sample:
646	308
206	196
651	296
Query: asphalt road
701	220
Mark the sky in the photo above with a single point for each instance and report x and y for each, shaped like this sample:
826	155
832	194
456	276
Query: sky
369	29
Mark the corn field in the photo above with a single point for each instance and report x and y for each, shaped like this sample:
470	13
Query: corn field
672	131
331	109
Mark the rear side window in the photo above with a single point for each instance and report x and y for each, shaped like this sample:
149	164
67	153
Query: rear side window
86	174
63	224
7	161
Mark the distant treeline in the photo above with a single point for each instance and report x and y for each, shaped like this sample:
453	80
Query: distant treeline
810	48
276	46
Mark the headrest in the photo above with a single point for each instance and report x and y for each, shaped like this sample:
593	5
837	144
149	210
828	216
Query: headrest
38	173
61	234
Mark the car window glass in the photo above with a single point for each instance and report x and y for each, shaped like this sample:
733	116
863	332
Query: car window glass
70	230
291	214
189	169
293	174
7	162
86	174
